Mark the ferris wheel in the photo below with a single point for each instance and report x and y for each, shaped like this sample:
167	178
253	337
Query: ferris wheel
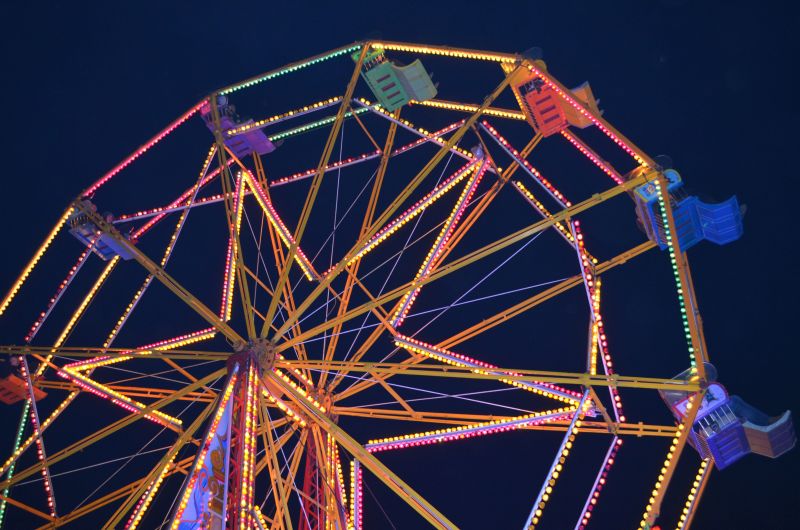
285	312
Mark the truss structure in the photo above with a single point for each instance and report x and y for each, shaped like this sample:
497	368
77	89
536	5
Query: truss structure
263	410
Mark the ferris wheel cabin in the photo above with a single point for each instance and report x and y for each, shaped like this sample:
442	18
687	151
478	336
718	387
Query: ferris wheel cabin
241	144
86	231
395	85
695	220
727	428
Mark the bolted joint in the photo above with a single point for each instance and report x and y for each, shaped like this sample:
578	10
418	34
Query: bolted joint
261	351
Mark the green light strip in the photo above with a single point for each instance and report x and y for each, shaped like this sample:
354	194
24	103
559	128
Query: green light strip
673	260
313	125
291	68
10	472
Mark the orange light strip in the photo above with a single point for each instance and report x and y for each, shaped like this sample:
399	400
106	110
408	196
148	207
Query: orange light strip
694	494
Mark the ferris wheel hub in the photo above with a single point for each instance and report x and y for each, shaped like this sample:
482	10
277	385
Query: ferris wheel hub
262	351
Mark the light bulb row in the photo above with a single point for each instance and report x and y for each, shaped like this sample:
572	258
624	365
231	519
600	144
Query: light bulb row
295	113
290	69
147	497
440	243
558	464
467	107
446	52
201	456
593	156
602	478
673	259
457	359
599	341
34	260
529	169
417	208
467	431
660	482
313	125
272	216
356	500
143	149
691	499
40	451
57	296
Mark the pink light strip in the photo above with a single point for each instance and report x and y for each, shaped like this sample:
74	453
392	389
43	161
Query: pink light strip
34	412
59	292
599	484
529	169
593	156
366	156
143	149
580	108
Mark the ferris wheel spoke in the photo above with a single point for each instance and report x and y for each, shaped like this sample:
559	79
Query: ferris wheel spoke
467	431
163	277
369	214
389	211
468	259
312	195
112	428
403	490
472	107
273	467
140	499
653	508
29	509
497	374
556	466
410	127
518	308
448	357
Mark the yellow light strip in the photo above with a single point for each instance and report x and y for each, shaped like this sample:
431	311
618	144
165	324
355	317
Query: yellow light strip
446	52
34	260
660	480
77	314
272	216
413	211
692	498
469	107
278	117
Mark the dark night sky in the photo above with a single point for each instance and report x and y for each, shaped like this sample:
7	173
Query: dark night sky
708	82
